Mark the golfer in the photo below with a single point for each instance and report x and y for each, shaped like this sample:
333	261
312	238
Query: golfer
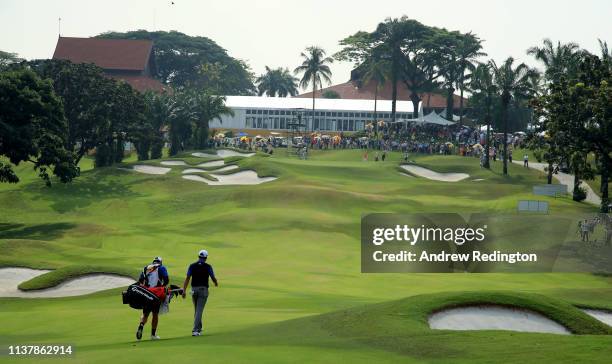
199	273
153	275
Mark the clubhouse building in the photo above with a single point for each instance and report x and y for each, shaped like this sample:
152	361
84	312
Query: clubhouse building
129	60
262	115
351	111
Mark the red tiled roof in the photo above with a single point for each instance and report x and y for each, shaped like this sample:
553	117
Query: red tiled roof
141	83
349	90
110	54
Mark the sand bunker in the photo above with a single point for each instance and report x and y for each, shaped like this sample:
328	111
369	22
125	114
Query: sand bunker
239	178
173	163
601	315
10	278
211	164
429	174
203	155
478	180
226	168
150	169
494	318
223	153
193	170
197	170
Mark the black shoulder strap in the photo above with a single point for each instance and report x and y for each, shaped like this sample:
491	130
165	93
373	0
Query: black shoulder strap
144	274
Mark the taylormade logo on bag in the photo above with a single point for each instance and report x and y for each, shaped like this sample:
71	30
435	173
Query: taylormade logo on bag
413	236
142	293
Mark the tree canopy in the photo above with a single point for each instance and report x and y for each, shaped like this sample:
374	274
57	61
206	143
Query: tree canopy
415	54
97	108
277	82
33	127
185	61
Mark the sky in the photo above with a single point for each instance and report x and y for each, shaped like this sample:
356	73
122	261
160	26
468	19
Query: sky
275	32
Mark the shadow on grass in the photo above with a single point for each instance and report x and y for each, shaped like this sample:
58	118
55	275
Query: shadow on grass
35	232
93	187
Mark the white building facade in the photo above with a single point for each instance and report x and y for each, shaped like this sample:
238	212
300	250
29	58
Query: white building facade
331	115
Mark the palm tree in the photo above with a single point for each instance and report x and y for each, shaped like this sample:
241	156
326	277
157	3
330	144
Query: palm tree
512	83
482	85
558	60
391	36
204	109
161	110
606	53
457	55
400	41
314	69
376	72
277	82
469	51
420	76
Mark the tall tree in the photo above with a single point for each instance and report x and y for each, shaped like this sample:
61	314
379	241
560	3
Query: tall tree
179	59
469	51
399	42
33	128
606	54
180	125
457	54
482	100
85	93
512	83
559	60
205	108
314	70
421	71
160	110
376	72
8	58
277	82
447	55
101	112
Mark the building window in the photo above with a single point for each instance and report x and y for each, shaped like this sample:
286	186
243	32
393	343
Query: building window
259	122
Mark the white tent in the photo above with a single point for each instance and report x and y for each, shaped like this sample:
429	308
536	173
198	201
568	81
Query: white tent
443	114
433	118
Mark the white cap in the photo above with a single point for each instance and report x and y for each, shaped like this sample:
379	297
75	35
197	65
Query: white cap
203	253
157	259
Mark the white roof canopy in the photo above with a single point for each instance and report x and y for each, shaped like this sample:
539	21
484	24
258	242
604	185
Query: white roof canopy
260	102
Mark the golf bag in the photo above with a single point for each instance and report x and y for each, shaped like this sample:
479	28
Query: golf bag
140	297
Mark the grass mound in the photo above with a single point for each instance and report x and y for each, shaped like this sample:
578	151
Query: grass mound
64	274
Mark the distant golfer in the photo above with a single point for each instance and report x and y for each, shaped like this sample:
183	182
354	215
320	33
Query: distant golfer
199	273
525	161
152	276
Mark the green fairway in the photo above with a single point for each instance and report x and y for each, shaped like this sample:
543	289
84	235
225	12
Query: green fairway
287	256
